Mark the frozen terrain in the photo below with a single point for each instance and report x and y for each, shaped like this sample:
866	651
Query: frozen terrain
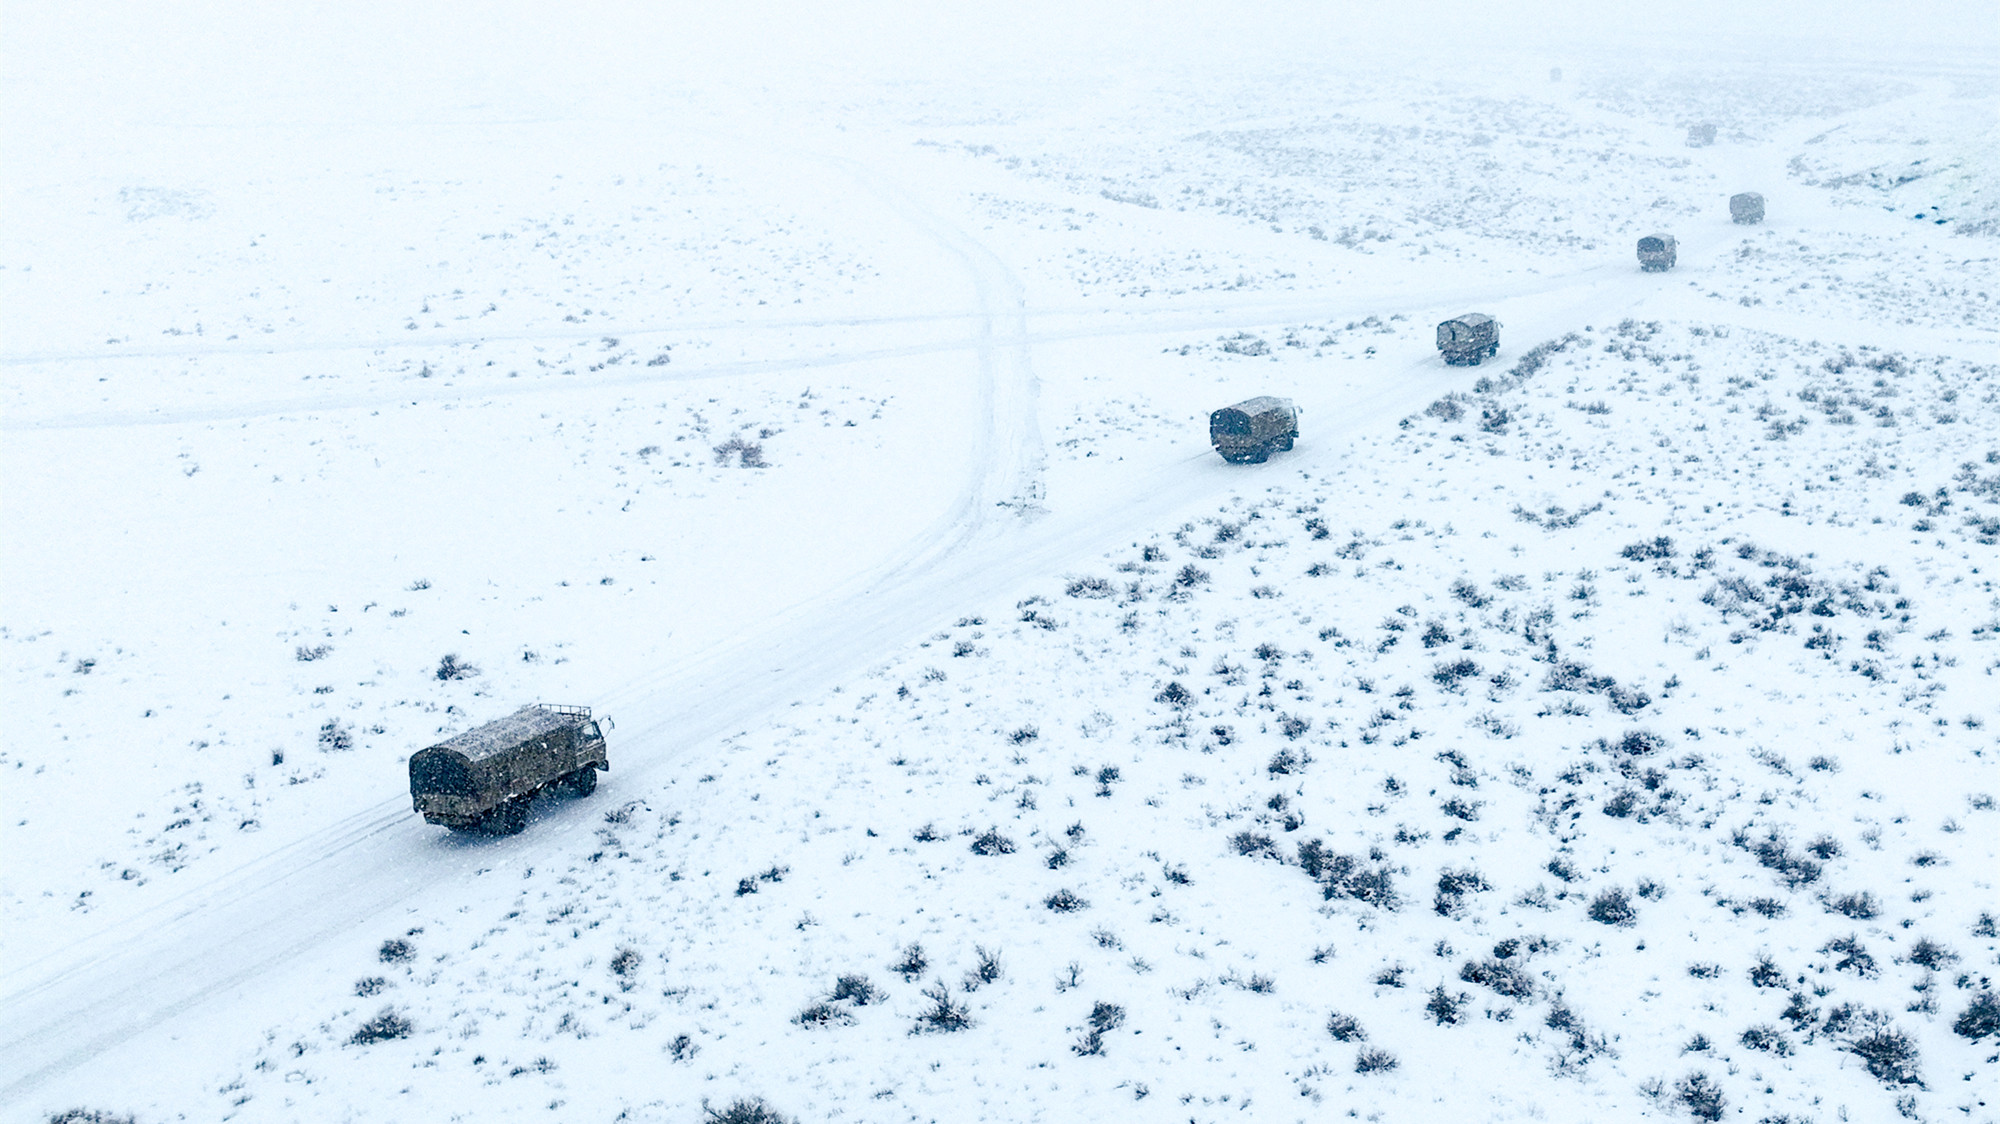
1605	732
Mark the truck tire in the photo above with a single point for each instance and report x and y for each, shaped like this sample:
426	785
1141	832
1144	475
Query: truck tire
510	818
583	782
1285	442
1258	455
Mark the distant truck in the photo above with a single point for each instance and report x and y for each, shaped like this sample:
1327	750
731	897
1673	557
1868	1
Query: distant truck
1746	208
1701	135
1253	429
484	779
1465	340
1656	253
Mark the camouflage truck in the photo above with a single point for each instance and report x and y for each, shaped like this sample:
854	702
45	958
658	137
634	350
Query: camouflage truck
1467	339
1253	429
1746	208
484	779
1656	253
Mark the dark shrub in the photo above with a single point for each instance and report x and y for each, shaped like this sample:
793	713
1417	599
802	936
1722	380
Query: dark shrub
856	989
1253	844
1190	577
1769	1039
1293	727
1452	888
1510	980
1373	1060
1106	1016
1927	953
1796	870
1765	973
1445	409
334	737
383	1027
823	1015
1850	956
1627	700
1445	1007
1861	906
1092	588
1824	847
1645	551
751	1111
1450	675
927	834
1980	1018
89	1116
992	843
1612	907
1889	1055
1699	1096
1459	808
370	985
1622	803
396	950
1065	901
986	971
1800	1012
1562	868
1345	1028
451	667
1343	876
1641	743
944	1014
1175	695
625	963
912	964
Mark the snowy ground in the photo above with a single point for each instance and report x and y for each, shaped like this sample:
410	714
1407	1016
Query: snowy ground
1604	732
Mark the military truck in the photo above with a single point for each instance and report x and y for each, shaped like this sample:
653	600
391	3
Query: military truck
484	779
1701	135
1746	208
1656	253
1467	339
1253	429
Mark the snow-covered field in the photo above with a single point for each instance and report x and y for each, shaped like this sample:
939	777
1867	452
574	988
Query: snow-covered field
1606	732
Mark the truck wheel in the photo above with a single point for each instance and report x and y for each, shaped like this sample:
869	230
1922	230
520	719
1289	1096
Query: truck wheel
510	818
1258	455
583	782
1285	442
